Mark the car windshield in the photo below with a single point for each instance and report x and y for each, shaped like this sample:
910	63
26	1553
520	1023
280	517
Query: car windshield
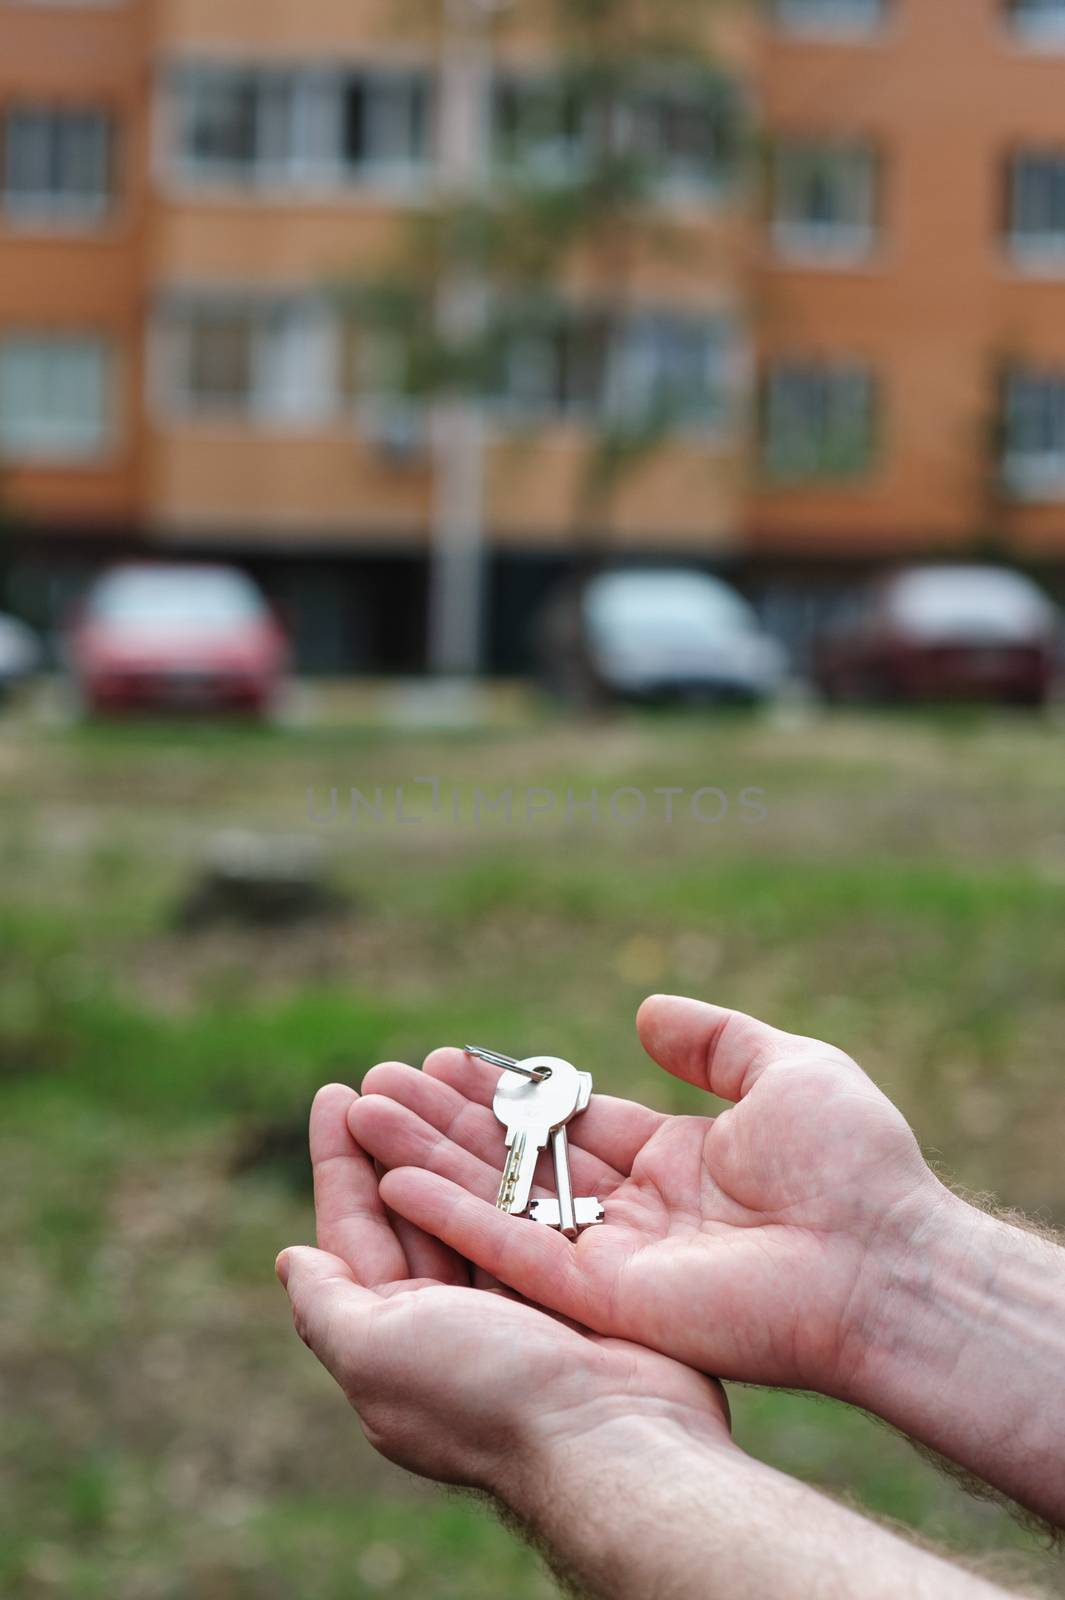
672	607
200	599
942	599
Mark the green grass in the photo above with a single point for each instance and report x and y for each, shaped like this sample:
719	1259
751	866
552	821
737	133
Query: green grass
164	1433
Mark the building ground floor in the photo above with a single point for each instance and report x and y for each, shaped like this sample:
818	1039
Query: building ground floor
364	609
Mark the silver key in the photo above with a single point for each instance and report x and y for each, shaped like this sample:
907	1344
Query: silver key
528	1111
531	1110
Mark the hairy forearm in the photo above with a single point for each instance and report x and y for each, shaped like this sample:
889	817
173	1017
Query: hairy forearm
964	1350
638	1507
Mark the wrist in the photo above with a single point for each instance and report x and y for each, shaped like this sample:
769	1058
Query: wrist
557	1444
961	1342
894	1307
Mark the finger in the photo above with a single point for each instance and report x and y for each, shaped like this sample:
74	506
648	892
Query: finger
715	1048
426	1257
475	1127
398	1137
330	1309
613	1130
537	1262
350	1215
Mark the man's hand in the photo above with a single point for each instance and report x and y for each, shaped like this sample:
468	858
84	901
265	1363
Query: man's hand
460	1383
798	1238
617	1459
748	1245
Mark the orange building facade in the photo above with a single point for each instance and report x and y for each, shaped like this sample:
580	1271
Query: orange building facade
874	330
952	301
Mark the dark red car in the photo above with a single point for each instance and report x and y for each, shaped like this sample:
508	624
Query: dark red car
945	633
151	637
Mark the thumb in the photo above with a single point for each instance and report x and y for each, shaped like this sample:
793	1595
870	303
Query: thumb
714	1048
330	1310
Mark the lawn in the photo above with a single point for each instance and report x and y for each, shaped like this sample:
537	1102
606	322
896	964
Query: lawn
897	885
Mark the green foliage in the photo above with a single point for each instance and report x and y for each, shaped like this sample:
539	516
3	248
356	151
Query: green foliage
566	182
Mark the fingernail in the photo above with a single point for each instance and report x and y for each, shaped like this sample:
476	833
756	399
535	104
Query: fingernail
281	1268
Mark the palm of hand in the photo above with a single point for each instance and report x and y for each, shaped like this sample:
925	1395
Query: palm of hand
735	1244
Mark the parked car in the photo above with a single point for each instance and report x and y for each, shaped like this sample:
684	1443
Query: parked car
164	636
20	653
945	633
658	635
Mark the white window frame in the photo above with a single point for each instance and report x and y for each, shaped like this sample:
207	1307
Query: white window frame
676	181
1041	28
298	137
294	360
644	365
808	240
47	438
782	457
1036	249
553	157
830	19
1033	473
558	157
385	86
273	124
48	125
637	361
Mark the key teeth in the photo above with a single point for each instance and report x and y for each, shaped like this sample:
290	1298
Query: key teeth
588	1210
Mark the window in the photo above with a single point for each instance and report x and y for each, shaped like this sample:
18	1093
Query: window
384	123
541	125
828	17
1037	204
56	163
1038	21
220	359
165	597
818	420
824	199
250	359
689	133
266	126
683	132
375	393
55	401
671	370
1034	434
236	124
644	370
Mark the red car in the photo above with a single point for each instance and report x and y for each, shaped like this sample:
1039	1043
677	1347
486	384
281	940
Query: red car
151	637
945	633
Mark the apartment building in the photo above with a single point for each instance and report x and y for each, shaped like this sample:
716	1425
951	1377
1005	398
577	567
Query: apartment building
73	211
909	304
864	324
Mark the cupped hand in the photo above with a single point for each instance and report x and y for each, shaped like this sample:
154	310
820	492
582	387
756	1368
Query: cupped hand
756	1244
451	1375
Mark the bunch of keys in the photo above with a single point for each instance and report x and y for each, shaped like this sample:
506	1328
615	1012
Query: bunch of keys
534	1100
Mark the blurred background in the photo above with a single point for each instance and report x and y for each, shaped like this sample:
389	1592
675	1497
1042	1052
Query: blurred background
448	402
